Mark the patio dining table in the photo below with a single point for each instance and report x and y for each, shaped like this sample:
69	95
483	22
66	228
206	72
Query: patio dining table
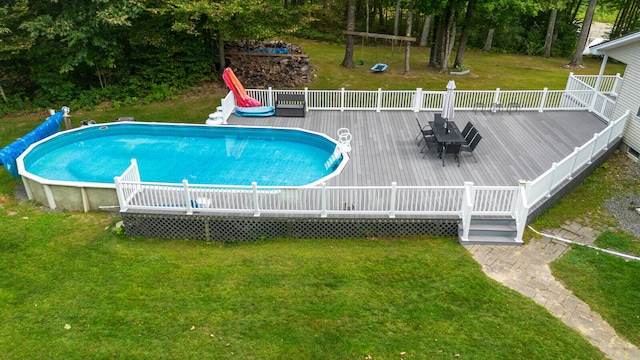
446	136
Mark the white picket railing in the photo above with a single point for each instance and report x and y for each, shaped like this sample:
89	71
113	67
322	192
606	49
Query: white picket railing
579	94
564	170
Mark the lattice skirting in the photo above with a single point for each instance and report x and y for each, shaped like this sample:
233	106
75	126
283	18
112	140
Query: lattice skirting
233	229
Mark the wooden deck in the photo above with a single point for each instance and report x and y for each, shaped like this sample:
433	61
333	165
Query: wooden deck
514	146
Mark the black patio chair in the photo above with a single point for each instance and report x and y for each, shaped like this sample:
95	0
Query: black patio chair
425	130
466	129
471	146
469	136
454	149
438	121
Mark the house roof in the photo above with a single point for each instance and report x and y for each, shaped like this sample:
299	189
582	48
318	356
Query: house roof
602	48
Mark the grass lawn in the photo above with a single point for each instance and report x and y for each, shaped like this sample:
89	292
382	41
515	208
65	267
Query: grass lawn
71	289
607	283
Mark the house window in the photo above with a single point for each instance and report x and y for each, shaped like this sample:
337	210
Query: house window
633	152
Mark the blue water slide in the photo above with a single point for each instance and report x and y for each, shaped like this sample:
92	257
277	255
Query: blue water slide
10	153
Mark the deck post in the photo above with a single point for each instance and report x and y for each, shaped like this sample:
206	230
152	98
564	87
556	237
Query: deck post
554	166
270	96
593	150
254	191
467	209
306	99
187	201
379	102
323	200
573	163
392	201
616	85
496	100
522	210
342	99
119	193
417	100
543	100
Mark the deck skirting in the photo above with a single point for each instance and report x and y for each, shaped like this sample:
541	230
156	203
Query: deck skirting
248	229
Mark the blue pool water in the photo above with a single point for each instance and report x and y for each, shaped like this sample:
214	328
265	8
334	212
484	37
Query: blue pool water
170	153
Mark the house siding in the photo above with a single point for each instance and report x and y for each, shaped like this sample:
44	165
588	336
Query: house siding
629	96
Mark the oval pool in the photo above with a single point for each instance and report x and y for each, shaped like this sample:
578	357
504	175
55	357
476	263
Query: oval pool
90	157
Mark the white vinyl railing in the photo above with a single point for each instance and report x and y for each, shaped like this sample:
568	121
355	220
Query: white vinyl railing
564	170
579	94
455	201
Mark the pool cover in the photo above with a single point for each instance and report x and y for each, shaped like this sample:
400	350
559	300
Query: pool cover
10	153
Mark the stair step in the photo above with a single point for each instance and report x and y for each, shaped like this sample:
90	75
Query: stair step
490	240
491	231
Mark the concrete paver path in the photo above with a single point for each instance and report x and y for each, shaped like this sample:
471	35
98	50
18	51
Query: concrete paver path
526	270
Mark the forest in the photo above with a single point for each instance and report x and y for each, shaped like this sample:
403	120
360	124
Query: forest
132	51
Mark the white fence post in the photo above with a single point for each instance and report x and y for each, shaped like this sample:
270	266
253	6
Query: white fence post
573	164
554	166
187	200
593	150
379	102
496	100
254	193
323	200
342	99
417	100
270	96
467	208
616	85
121	199
392	204
522	211
543	100
570	81
306	98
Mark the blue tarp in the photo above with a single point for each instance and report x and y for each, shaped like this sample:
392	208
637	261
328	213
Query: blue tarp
10	153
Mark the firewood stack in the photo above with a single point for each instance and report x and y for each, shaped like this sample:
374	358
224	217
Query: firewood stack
259	65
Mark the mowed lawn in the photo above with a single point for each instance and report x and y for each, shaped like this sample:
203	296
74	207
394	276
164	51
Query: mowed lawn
73	288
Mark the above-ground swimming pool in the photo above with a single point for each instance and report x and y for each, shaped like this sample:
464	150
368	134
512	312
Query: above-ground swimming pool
75	170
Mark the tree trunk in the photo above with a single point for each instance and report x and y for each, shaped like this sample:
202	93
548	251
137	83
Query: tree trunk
489	41
576	60
464	37
425	31
396	20
4	97
447	38
434	58
548	40
407	50
351	26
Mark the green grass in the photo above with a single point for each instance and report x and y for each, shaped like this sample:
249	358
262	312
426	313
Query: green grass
607	283
488	71
71	289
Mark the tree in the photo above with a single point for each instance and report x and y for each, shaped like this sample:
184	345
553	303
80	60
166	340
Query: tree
548	40
425	31
576	60
351	26
408	46
464	37
628	18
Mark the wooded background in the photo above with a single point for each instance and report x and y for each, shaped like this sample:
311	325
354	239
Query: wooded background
129	51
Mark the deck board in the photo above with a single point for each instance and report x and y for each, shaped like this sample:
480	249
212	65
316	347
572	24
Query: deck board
514	146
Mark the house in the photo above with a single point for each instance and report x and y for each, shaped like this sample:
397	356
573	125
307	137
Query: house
625	49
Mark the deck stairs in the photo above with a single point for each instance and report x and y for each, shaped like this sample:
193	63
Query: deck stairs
491	231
